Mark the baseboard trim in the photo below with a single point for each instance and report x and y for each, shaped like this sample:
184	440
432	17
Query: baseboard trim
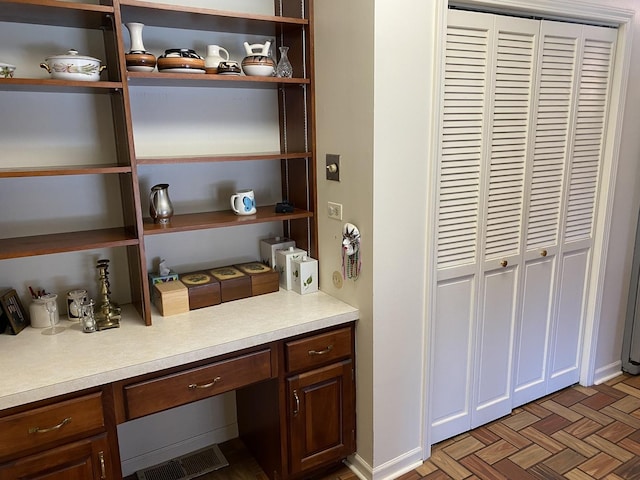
359	467
607	372
219	435
387	471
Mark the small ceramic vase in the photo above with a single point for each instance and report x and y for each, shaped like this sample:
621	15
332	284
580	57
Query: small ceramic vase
138	59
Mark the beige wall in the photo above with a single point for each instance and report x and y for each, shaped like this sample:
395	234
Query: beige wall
344	113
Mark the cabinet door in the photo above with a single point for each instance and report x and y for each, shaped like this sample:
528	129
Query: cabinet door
321	412
86	459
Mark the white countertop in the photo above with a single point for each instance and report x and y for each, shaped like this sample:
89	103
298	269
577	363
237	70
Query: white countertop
37	366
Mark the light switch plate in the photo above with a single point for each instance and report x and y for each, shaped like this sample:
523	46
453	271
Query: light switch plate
332	162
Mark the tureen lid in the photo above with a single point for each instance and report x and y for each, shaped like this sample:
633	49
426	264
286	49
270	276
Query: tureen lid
72	54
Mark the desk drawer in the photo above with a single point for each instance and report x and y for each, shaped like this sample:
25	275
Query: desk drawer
188	386
318	349
51	425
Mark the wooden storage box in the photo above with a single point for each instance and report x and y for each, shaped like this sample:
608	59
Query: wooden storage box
203	288
171	298
155	277
234	284
263	278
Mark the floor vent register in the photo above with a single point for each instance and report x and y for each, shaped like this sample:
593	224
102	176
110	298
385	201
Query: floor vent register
187	466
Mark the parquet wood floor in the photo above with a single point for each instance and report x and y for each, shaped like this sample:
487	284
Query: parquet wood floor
577	434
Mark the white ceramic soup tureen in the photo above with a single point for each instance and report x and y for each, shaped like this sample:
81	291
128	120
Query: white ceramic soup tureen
71	66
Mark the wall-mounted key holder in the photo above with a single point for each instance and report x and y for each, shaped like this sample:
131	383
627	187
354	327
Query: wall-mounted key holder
351	263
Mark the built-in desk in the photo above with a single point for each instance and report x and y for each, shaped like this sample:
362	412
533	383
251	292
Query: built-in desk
49	378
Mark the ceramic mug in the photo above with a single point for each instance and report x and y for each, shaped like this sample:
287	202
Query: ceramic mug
243	202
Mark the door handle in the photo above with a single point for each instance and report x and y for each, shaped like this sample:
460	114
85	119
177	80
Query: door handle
193	386
504	263
50	429
296	399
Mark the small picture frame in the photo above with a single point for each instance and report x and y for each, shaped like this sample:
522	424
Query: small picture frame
13	311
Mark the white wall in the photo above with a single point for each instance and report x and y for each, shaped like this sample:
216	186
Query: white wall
624	219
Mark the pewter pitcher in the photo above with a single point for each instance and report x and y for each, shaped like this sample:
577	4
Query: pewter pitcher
160	206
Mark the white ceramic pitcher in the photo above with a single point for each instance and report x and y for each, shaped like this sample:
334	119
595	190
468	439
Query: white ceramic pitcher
215	55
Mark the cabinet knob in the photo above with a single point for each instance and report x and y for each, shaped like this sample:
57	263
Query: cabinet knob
543	253
504	263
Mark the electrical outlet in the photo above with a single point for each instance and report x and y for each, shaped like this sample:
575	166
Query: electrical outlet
334	210
337	279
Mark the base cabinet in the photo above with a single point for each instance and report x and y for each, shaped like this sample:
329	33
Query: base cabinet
321	420
304	420
82	460
295	402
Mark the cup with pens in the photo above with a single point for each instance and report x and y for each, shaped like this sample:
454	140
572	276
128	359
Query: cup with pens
44	312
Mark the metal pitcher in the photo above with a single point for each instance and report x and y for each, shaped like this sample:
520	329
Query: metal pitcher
160	206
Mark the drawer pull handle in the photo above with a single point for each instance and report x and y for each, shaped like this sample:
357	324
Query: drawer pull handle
50	429
297	400
320	352
103	470
193	386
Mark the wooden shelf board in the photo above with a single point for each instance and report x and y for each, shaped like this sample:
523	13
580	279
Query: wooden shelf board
56	13
168	79
236	157
195	18
224	218
65	242
63	170
55	85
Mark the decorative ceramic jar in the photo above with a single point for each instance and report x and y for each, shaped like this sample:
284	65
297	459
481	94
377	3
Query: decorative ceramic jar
72	66
138	59
180	60
258	62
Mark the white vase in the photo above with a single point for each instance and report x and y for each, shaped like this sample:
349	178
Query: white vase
138	59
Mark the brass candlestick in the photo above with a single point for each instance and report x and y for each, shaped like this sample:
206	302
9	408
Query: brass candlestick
109	313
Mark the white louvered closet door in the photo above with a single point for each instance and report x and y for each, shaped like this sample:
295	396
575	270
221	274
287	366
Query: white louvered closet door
466	97
525	107
555	91
509	118
597	46
488	76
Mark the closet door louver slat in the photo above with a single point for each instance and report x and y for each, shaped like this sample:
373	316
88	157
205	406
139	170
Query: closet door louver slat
464	100
550	139
509	136
592	100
